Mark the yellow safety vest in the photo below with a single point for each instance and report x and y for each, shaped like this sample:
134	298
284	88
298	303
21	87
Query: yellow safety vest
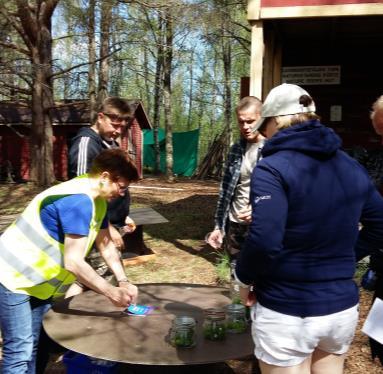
31	261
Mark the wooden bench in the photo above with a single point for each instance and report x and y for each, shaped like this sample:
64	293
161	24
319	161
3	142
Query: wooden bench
136	251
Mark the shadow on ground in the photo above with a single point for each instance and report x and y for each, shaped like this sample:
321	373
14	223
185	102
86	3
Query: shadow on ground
189	221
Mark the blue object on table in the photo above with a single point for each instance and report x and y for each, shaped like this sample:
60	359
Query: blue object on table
139	310
77	363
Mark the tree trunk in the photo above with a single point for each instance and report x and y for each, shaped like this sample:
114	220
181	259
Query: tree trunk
168	57
157	94
226	57
148	92
92	58
41	144
191	85
106	17
35	30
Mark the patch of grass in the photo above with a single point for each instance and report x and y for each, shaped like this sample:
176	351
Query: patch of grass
223	267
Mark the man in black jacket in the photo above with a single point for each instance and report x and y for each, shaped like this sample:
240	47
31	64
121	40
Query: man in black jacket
111	118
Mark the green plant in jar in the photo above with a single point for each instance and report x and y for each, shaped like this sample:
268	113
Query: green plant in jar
183	338
236	318
182	333
237	326
214	326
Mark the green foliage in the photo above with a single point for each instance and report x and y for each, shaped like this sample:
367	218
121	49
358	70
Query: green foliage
201	28
223	267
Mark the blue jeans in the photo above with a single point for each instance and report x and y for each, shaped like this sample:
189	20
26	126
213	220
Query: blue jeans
20	321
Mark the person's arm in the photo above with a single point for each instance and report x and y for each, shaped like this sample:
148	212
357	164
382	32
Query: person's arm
112	258
74	262
370	237
130	225
215	238
245	214
227	187
226	193
267	228
116	237
246	291
247	295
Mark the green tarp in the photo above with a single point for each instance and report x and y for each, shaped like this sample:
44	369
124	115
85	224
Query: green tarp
185	151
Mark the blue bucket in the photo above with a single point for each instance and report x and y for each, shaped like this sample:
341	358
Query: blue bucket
77	363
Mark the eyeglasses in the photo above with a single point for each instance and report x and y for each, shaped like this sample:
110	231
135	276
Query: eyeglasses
116	118
121	186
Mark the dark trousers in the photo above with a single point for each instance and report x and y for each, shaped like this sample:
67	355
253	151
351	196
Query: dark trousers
235	237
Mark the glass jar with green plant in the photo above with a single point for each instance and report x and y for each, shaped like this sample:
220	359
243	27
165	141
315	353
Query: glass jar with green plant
214	326
236	318
182	332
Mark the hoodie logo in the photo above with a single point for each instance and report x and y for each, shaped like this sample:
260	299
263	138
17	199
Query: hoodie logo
259	198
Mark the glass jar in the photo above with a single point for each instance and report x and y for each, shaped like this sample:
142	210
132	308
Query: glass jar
182	332
236	318
214	325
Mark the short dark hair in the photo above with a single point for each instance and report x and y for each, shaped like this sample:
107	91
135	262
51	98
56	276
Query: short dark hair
122	106
117	163
248	102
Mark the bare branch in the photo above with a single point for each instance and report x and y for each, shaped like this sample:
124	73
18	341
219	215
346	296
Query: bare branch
242	25
16	48
10	17
24	77
151	5
61	72
16	88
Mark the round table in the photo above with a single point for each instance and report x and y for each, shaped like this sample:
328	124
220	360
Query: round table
90	324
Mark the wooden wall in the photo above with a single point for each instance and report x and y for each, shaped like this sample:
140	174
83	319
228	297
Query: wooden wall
352	44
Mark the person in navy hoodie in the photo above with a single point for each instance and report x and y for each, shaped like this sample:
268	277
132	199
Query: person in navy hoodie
308	198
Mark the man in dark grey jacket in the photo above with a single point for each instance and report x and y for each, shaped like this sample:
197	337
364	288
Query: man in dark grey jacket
112	117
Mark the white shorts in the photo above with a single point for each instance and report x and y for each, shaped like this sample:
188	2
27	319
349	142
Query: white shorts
285	340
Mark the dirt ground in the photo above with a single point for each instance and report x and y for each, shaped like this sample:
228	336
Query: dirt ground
183	256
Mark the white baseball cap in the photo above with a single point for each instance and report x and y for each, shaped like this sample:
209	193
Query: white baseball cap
283	100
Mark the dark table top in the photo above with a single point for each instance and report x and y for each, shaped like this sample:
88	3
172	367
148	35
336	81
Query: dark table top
146	216
91	325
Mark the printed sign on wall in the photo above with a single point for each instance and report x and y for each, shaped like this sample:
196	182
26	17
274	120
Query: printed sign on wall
311	75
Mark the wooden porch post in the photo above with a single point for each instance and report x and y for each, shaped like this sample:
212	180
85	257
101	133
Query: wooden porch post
256	64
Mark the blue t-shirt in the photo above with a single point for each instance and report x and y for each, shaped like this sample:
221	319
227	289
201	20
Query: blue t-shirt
69	214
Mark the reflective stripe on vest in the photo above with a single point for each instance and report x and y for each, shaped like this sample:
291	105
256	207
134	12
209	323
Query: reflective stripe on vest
19	266
31	261
39	240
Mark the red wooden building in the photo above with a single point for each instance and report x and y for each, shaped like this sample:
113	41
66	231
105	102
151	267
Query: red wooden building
68	117
330	47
